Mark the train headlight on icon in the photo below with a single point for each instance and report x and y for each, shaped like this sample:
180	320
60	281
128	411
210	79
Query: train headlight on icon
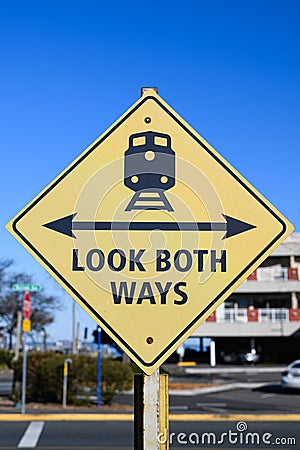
149	167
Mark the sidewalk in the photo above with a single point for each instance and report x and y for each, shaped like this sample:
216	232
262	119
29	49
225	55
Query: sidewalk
205	369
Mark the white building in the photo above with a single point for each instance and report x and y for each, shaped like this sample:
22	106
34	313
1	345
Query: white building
264	312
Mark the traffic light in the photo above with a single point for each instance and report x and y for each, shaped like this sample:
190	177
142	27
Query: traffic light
105	339
95	334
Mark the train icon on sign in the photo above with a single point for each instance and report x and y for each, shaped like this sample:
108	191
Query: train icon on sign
149	170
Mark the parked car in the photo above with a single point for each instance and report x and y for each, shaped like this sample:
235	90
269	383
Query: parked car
290	378
251	358
230	358
247	357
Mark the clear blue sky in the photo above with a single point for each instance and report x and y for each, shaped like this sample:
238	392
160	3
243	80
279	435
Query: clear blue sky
70	68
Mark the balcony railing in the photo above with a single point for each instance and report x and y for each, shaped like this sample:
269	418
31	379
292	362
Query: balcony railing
275	273
233	315
262	315
273	315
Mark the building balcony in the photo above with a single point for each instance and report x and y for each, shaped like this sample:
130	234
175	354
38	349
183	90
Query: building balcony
271	279
250	322
261	315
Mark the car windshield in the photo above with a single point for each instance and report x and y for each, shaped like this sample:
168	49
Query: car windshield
296	366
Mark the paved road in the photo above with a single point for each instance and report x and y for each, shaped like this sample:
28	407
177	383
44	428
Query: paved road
190	420
266	399
110	435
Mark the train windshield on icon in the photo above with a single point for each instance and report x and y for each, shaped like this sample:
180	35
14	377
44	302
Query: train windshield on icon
149	170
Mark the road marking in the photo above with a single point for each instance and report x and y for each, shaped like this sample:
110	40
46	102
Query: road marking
179	407
212	407
217	405
247	370
214	410
32	434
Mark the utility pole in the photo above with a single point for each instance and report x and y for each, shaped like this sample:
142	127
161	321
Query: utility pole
18	337
74	346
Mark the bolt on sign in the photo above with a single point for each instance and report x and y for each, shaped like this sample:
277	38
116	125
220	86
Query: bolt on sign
150	230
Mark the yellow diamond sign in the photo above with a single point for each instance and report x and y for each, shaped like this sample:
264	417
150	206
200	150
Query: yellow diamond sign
150	230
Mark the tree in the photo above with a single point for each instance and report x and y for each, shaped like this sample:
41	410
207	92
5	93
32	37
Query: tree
42	305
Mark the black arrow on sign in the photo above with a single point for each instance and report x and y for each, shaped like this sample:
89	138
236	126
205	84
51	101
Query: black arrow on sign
66	225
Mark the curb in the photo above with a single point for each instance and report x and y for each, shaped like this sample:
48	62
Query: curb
247	370
221	388
212	389
129	417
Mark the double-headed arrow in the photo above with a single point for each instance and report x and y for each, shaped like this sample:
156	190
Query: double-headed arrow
66	225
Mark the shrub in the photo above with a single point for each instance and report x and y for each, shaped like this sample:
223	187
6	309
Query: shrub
115	377
6	357
45	378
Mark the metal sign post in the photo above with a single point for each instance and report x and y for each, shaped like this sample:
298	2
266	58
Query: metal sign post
65	381
26	328
24	369
151	412
98	366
